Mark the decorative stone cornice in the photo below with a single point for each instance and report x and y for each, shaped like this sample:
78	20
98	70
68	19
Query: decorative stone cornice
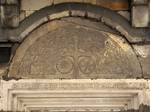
28	95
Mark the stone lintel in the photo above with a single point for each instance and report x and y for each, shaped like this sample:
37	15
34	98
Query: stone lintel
26	95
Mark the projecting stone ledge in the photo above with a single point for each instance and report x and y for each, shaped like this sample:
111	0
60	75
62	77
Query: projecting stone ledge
74	95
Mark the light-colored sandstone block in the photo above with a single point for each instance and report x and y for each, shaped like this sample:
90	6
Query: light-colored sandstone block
102	95
28	13
59	15
63	1
90	1
22	15
3	70
34	4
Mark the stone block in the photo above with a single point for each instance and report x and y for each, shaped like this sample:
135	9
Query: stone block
140	16
22	15
10	16
34	4
9	2
143	51
28	13
140	2
73	95
3	71
63	1
90	1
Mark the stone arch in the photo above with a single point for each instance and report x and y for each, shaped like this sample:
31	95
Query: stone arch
104	53
107	16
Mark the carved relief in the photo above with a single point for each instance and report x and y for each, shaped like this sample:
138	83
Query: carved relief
87	65
64	65
74	51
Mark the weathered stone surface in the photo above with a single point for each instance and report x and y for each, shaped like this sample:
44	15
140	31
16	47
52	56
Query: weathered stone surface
69	49
125	14
140	16
143	52
10	13
32	5
109	17
3	70
139	2
9	2
60	49
63	1
74	95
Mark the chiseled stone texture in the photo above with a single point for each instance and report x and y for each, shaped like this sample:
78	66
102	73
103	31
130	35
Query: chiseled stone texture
74	51
30	6
140	16
28	95
3	70
143	51
34	4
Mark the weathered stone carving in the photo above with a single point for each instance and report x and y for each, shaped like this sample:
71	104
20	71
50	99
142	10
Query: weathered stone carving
60	49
